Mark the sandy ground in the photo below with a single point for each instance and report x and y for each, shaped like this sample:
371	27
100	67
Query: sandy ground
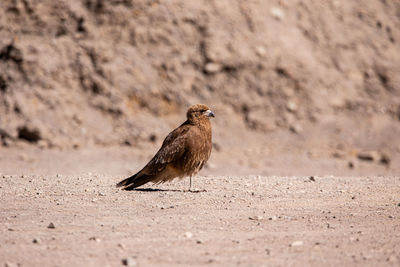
89	89
248	220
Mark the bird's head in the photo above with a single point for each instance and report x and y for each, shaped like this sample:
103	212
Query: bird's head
199	112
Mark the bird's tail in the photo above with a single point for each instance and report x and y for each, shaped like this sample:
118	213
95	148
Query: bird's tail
134	181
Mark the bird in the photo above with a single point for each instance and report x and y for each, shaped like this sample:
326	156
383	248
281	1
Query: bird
183	152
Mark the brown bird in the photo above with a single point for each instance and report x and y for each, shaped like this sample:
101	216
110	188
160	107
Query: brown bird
183	153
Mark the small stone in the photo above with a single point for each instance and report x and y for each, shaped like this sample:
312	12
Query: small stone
312	179
10	264
296	244
277	13
51	226
199	242
368	155
273	218
36	241
42	144
260	50
129	262
94	239
350	164
256	218
291	106
188	235
296	128
212	67
152	138
385	159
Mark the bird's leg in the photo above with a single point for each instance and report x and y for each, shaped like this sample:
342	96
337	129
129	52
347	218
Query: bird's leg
194	190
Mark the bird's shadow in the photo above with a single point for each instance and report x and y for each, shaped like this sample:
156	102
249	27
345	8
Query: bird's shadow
167	190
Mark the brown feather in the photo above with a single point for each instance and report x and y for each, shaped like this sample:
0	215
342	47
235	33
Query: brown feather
183	153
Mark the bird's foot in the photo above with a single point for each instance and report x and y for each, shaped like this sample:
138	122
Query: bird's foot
194	190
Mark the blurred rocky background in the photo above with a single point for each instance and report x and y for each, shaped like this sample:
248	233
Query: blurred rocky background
314	78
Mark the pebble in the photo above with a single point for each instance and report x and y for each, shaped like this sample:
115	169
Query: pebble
277	13
129	262
36	241
296	244
95	239
10	264
188	235
273	218
312	178
212	67
51	226
374	156
255	218
296	128
260	50
350	164
370	155
291	106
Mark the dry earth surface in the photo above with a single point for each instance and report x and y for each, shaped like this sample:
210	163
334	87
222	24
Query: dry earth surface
247	220
96	72
89	89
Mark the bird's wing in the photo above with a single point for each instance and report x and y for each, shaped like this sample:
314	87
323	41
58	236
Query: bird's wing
172	149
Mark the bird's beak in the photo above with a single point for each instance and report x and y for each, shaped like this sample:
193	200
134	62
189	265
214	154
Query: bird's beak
209	113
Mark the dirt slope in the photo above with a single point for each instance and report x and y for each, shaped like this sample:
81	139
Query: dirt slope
94	72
